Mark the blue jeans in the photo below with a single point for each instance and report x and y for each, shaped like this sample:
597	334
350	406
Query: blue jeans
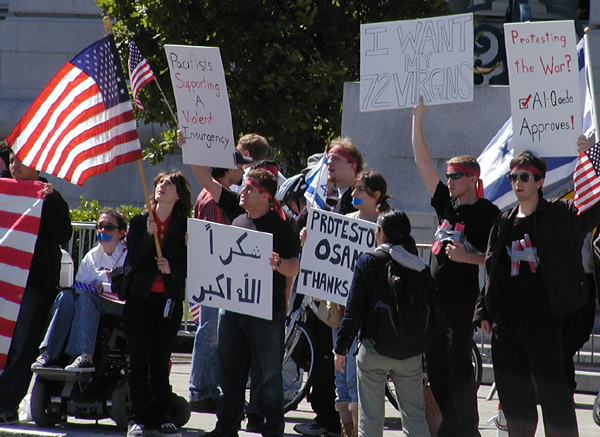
60	323
242	339
84	329
345	383
204	376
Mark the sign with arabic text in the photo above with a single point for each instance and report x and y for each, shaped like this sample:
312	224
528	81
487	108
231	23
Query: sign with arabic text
333	244
228	267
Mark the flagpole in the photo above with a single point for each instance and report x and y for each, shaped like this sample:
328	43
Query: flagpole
166	101
590	76
108	28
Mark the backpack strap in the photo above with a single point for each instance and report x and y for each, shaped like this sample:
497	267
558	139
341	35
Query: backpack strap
381	256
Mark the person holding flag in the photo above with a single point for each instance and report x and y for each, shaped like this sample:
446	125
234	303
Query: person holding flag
535	278
41	290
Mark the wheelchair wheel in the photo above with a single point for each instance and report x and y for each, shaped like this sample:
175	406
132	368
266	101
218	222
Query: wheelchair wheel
179	412
298	363
121	404
43	412
596	410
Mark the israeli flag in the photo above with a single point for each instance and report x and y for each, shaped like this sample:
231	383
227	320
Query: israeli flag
495	158
316	184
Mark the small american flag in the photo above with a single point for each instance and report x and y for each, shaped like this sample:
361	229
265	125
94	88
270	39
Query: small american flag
586	181
20	211
195	312
82	123
140	73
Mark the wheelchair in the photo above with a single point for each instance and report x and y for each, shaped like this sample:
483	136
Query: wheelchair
104	393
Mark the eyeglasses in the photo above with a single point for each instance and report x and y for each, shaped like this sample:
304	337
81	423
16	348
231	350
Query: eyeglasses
523	177
108	227
454	176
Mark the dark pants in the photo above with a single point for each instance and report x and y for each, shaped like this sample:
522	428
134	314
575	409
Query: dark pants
244	341
576	331
322	392
528	359
150	338
450	371
27	336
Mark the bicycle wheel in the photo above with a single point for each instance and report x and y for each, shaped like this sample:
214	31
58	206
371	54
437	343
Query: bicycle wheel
477	363
297	365
596	410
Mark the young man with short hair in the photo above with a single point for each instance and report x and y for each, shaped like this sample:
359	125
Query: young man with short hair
457	255
535	278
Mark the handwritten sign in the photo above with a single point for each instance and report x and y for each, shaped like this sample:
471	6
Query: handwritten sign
202	105
402	60
228	267
333	244
544	86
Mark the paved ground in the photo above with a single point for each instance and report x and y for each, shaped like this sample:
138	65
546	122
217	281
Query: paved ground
201	423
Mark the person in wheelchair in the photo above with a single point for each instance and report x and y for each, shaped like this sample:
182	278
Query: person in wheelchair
77	309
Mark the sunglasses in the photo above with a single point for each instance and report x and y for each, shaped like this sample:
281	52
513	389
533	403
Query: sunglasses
454	176
108	227
523	177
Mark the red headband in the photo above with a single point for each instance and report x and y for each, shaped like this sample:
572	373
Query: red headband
461	168
337	150
269	167
528	167
275	205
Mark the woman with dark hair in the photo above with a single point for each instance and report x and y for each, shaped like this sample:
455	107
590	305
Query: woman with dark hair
393	237
155	289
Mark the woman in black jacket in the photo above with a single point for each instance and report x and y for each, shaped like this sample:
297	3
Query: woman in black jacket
153	307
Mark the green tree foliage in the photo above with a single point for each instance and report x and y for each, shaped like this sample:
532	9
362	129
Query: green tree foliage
286	61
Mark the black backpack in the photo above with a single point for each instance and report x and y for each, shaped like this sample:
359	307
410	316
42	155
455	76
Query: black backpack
399	318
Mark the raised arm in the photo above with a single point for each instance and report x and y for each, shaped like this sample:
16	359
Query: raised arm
203	175
421	152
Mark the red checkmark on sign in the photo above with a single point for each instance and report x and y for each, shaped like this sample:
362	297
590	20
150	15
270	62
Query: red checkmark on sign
525	102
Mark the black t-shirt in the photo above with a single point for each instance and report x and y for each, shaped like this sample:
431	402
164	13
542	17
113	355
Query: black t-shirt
285	240
459	282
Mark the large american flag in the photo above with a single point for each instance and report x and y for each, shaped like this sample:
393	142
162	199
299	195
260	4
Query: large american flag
20	211
586	181
140	73
82	123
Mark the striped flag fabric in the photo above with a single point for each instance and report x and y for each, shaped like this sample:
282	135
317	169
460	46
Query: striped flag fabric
82	123
316	184
140	73
586	182
195	311
20	211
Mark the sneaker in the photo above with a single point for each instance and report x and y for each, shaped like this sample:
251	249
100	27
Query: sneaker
9	417
44	360
81	364
169	430
208	405
255	423
314	429
135	430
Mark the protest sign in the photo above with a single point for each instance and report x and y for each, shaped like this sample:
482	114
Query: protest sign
203	108
544	87
429	57
333	244
228	267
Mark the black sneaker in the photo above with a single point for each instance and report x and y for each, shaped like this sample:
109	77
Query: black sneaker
135	430
255	423
81	364
44	360
313	428
169	430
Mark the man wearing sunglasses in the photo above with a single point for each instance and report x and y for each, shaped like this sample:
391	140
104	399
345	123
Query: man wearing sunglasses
465	219
535	278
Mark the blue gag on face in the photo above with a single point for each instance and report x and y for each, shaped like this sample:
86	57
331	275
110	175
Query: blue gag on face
104	237
356	201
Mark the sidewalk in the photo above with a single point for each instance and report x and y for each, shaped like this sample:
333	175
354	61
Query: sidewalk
201	423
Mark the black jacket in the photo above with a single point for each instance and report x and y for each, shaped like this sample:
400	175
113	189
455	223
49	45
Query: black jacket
140	265
559	233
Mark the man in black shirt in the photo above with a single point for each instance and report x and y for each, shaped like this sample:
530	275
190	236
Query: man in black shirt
465	221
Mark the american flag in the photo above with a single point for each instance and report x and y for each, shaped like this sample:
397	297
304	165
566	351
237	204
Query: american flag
82	123
140	73
20	211
586	182
195	311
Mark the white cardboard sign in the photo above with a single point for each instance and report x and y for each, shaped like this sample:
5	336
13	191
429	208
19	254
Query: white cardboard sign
333	244
228	267
203	108
544	86
429	57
